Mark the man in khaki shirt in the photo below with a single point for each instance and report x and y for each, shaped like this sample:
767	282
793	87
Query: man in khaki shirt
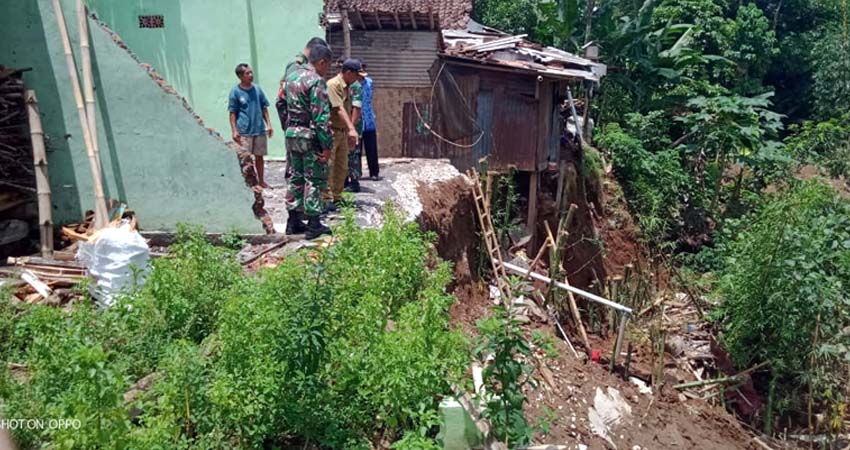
345	134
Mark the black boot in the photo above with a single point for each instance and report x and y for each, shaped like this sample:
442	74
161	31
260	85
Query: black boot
329	207
294	225
315	228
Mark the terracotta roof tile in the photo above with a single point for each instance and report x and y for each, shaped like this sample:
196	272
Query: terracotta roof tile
452	14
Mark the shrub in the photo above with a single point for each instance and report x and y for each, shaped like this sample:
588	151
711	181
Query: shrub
786	275
654	183
826	144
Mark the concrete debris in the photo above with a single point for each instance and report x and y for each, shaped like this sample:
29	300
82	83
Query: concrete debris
608	411
643	388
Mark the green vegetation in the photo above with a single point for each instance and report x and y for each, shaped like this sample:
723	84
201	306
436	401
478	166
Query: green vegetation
339	347
785	279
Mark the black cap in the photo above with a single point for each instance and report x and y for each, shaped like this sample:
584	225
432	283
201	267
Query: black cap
352	65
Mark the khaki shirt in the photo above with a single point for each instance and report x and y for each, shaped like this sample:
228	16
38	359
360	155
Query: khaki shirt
339	98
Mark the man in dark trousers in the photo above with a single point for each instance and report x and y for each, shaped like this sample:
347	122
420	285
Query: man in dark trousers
370	136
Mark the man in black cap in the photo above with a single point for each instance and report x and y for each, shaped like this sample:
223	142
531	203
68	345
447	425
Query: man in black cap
344	131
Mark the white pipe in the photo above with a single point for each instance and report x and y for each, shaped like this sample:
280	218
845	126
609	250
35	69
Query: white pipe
592	297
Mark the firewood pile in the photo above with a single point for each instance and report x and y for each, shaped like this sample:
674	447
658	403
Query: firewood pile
16	170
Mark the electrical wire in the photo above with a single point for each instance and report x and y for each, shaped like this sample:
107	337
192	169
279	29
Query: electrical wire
431	104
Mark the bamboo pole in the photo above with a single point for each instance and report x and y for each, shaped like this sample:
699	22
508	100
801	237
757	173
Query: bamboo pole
618	344
99	198
555	265
88	82
42	181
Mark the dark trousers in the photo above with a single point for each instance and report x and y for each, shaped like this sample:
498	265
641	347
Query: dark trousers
370	145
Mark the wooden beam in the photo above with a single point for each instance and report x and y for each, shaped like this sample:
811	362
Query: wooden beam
413	19
346	34
378	20
360	19
397	22
431	19
531	223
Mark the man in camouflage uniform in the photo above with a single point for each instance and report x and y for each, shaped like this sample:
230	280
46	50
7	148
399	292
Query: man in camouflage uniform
355	165
299	62
308	142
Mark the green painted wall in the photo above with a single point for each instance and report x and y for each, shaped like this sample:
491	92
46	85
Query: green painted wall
201	44
155	157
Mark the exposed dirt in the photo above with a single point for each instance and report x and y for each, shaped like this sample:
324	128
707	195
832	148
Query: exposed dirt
448	209
618	231
658	420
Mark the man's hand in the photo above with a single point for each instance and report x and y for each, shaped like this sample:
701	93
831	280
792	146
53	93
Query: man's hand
325	155
237	138
352	138
270	131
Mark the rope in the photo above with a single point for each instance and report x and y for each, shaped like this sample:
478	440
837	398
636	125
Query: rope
431	103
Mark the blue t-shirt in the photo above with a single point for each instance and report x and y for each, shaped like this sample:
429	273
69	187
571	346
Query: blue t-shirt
248	106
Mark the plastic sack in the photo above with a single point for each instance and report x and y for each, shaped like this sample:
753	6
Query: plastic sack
117	260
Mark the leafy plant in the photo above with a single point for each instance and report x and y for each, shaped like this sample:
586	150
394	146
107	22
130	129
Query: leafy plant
506	375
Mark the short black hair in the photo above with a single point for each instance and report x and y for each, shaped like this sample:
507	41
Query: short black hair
316	41
319	53
240	69
310	47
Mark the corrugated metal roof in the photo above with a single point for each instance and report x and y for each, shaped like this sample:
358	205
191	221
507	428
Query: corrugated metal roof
515	52
393	58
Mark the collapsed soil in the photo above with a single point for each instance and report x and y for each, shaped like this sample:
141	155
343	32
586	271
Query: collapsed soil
567	385
658	420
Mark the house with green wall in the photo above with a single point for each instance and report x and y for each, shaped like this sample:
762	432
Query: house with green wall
158	148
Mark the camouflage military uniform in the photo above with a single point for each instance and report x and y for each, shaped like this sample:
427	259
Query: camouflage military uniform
355	164
308	134
298	63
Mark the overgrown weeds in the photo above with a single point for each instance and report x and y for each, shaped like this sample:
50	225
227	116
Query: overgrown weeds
339	347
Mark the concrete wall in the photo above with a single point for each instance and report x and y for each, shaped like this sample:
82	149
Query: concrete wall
202	42
155	156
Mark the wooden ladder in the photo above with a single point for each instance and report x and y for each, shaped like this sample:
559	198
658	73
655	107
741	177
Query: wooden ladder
482	206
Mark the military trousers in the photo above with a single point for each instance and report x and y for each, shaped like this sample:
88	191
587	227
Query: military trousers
308	178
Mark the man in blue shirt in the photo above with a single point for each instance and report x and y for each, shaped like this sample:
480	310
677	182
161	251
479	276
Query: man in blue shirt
370	137
249	118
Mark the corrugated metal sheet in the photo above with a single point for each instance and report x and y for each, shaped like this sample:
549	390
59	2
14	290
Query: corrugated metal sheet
514	132
485	122
394	58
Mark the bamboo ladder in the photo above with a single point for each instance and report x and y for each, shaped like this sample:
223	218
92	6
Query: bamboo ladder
482	206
